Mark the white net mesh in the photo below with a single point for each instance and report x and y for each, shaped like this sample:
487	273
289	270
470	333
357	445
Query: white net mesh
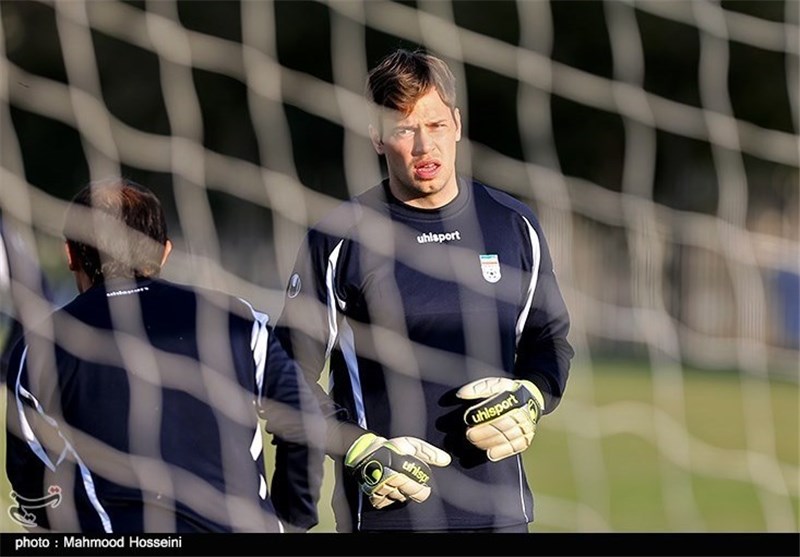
657	141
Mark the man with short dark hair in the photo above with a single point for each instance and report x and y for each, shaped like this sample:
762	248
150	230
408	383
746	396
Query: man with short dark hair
135	408
432	300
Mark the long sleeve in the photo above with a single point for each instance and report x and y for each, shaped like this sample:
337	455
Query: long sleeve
293	417
543	351
308	329
34	444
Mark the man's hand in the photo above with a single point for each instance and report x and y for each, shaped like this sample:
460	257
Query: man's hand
504	421
394	470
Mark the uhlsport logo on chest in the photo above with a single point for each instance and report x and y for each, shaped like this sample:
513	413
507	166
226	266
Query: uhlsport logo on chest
438	237
490	267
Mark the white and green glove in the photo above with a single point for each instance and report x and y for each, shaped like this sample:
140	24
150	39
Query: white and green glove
394	470
504	421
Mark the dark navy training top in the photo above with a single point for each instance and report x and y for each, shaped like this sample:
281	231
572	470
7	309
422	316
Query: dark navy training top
143	416
405	306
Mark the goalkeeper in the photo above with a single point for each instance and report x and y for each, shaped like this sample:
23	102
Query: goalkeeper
432	301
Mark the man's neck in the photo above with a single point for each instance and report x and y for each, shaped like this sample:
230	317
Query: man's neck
435	200
82	280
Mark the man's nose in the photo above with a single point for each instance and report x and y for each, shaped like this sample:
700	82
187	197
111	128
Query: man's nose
423	141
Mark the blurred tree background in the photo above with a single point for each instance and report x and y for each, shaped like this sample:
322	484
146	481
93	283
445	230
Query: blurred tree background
590	143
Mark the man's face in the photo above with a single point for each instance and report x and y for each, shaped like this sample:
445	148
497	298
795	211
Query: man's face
420	151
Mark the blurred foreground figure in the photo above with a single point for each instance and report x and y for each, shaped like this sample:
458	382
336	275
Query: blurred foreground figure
433	301
23	286
135	408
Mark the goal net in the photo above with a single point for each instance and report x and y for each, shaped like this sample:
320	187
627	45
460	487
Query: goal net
657	141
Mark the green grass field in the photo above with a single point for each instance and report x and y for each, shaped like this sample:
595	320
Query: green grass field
629	451
657	476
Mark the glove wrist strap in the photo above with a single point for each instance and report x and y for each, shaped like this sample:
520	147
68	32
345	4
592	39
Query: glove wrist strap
359	449
535	393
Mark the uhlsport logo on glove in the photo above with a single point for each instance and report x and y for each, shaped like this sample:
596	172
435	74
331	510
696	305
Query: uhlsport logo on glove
385	461
504	421
497	406
394	470
416	470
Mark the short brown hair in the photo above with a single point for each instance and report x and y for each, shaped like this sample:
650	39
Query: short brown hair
125	234
401	78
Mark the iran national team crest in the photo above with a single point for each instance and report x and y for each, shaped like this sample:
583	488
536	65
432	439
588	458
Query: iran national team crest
490	267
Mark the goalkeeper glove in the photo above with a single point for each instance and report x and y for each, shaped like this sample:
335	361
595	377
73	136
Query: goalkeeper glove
504	421
393	470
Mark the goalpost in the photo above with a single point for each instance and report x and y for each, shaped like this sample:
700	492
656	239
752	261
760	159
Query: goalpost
657	140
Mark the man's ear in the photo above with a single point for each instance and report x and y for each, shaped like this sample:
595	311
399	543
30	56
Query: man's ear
72	257
375	137
167	251
457	118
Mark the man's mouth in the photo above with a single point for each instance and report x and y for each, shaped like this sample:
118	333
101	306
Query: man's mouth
426	170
